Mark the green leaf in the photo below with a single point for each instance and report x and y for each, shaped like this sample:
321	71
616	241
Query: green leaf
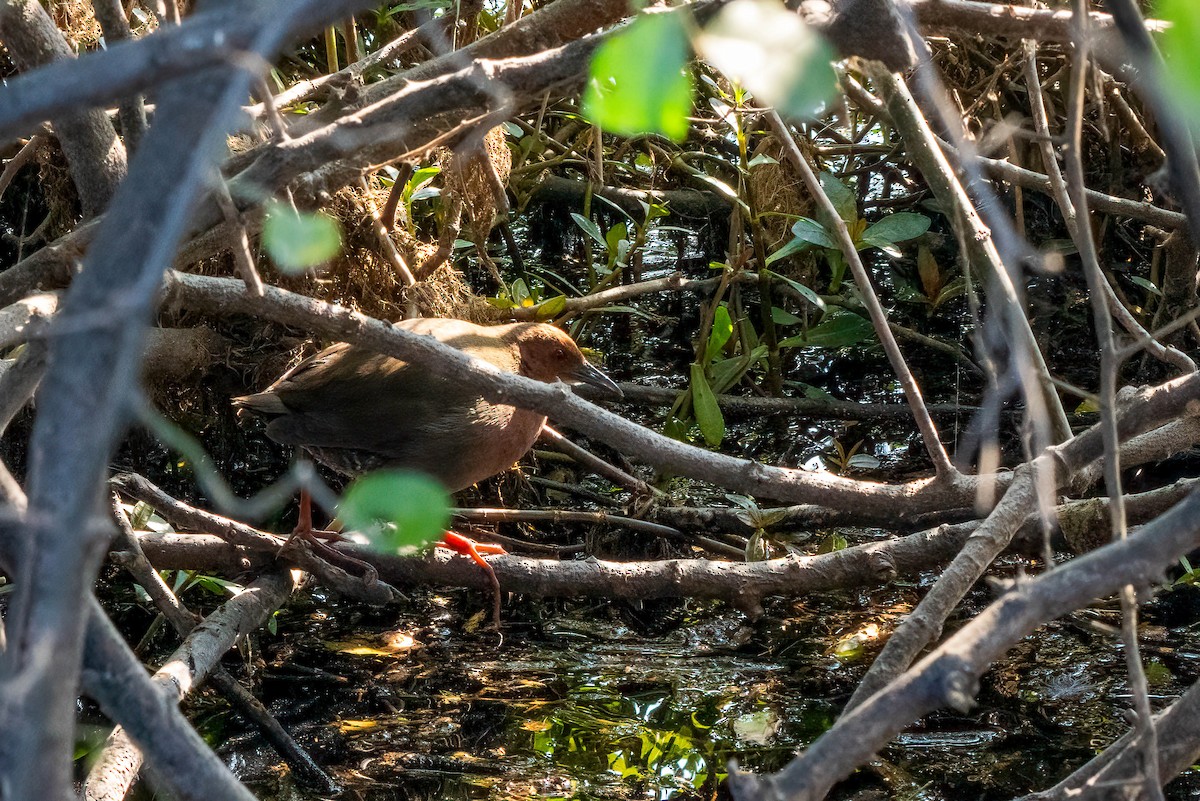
551	308
616	235
1181	55
704	404
412	507
773	53
887	247
590	228
675	429
637	83
898	227
838	329
722	330
726	372
832	542
790	247
783	317
299	241
804	292
809	230
841	196
955	289
1146	285
805	233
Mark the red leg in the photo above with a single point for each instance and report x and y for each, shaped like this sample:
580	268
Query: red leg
304	530
474	550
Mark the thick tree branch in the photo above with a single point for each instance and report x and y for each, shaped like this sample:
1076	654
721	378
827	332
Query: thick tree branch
94	153
949	676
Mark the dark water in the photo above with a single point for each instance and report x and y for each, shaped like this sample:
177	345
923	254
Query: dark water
587	700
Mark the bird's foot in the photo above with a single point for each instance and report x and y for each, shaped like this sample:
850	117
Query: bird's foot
317	539
475	551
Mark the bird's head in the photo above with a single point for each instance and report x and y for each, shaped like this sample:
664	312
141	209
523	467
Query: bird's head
548	354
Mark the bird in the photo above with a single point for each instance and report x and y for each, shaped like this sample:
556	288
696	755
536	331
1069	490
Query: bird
355	410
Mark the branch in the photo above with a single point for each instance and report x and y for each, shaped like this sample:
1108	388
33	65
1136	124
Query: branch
95	155
949	676
182	762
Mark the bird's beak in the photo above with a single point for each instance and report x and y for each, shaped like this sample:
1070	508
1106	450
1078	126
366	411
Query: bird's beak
586	373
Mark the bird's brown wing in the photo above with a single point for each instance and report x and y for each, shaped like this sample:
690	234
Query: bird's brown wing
362	401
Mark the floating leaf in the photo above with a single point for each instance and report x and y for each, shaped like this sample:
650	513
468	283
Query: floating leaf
299	241
773	53
704	404
637	83
413	508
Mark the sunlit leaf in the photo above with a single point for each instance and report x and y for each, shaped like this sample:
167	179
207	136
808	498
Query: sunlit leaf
552	307
757	728
853	647
773	53
704	404
356	726
396	509
637	83
863	461
616	235
722	330
299	241
387	644
832	542
1181	55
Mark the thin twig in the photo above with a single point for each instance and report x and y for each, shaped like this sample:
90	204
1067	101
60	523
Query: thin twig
912	392
242	257
1109	367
